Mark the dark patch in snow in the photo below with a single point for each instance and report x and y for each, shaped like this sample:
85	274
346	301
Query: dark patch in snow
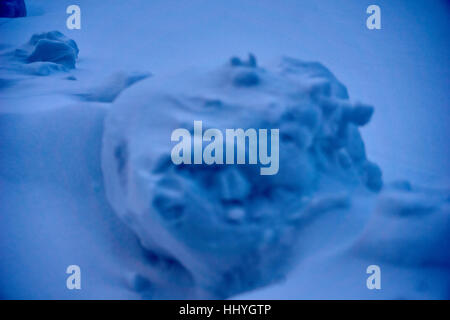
12	8
44	54
54	51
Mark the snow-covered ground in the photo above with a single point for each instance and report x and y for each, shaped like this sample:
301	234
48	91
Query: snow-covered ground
54	211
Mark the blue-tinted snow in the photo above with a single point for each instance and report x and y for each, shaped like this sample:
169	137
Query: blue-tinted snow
53	206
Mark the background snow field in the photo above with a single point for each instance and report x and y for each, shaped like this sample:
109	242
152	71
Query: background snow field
85	171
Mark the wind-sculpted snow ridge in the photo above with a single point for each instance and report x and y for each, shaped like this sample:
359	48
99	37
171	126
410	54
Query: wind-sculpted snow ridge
225	228
110	89
44	54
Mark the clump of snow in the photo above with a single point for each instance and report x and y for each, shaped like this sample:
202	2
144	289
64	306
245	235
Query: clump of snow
230	228
52	47
12	8
53	51
110	89
44	54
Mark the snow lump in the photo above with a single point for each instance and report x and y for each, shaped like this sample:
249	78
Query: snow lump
44	54
227	227
12	8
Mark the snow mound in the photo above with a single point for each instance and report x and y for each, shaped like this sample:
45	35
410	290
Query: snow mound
230	228
44	54
12	8
52	47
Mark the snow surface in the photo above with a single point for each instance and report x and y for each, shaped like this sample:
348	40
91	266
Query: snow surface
56	210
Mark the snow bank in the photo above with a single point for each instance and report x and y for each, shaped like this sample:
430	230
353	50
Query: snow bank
228	227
